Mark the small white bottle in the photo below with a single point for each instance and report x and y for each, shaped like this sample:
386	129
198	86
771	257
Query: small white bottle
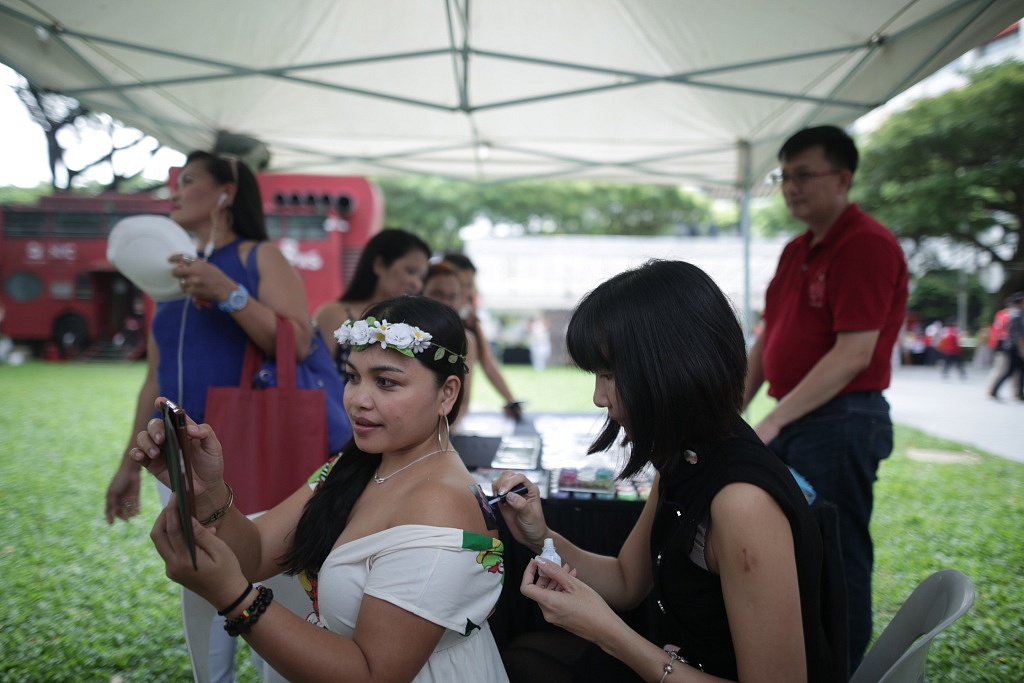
549	553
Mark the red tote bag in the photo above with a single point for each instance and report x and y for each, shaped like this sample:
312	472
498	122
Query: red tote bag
273	438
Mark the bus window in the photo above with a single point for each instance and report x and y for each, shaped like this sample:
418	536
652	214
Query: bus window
24	286
23	223
306	227
297	226
79	224
83	287
61	290
273	226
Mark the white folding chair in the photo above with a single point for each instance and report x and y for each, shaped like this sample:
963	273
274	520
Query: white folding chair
899	654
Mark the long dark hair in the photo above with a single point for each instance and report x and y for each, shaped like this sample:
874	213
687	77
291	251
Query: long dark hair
327	512
247	220
390	245
672	341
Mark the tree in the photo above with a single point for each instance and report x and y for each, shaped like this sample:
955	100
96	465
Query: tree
431	207
772	218
65	122
952	167
934	297
435	208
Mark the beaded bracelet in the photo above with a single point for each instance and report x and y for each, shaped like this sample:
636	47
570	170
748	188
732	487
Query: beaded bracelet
224	510
236	603
244	622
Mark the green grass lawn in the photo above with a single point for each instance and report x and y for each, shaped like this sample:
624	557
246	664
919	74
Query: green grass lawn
84	601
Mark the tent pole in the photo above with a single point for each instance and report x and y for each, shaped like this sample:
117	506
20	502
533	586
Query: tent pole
747	320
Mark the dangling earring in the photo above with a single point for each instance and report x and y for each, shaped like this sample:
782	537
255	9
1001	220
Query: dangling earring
447	433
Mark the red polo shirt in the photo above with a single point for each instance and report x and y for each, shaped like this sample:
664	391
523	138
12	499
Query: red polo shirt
854	279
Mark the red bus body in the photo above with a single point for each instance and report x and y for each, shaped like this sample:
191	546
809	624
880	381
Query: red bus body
57	285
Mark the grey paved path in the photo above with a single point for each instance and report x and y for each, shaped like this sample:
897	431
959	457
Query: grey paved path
958	409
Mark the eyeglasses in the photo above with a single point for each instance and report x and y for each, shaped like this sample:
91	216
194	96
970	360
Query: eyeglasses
800	177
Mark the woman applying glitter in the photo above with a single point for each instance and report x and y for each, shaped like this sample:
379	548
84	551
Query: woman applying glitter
726	541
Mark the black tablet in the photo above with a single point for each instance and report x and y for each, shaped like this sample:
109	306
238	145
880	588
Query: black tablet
176	451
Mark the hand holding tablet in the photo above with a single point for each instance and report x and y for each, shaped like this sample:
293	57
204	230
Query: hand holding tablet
177	457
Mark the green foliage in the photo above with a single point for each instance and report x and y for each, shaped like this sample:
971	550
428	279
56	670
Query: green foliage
772	218
31	195
84	601
431	207
24	195
934	297
953	165
435	208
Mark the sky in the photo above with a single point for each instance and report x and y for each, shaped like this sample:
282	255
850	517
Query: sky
22	143
23	158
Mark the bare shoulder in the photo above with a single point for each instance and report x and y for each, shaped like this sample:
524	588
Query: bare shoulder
447	501
330	315
741	501
269	256
748	530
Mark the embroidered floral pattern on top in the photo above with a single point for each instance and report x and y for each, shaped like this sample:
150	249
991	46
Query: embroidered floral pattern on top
402	337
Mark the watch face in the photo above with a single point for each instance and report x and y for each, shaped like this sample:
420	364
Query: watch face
236	300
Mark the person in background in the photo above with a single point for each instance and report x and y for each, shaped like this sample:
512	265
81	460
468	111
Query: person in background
513	408
393	263
442	284
983	348
540	342
932	334
832	314
401	560
1014	346
234	291
726	540
952	353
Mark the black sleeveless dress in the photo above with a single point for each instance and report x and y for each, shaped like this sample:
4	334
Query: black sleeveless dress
689	598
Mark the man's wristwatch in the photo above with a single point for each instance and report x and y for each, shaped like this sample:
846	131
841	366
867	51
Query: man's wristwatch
236	300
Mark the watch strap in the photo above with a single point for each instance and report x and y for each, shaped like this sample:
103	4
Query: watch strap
236	300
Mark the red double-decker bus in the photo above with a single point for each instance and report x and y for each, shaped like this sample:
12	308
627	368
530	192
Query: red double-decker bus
57	286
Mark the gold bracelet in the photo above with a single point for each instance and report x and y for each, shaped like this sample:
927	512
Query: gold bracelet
223	511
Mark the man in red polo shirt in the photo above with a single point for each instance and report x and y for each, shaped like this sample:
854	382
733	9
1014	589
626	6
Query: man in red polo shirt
832	314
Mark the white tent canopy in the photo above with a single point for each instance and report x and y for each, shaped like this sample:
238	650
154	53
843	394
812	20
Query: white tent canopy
666	91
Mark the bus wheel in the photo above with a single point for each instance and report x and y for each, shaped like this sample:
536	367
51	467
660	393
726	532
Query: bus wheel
71	333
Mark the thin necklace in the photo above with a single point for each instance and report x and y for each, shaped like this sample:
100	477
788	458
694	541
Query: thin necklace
381	480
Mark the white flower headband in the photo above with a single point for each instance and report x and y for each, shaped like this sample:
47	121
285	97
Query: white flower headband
402	337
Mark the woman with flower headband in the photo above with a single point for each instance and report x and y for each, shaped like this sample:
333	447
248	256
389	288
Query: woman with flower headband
726	541
400	559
